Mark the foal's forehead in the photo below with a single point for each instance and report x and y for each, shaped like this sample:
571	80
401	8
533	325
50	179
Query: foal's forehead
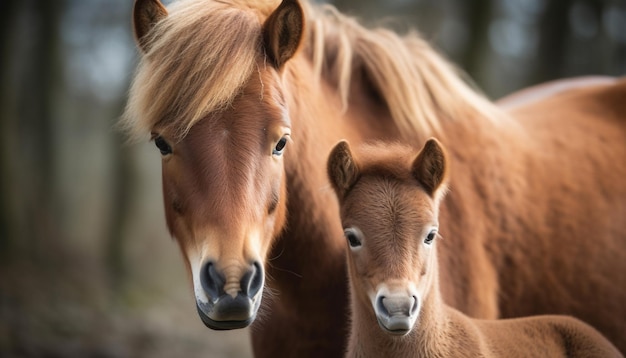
380	159
379	201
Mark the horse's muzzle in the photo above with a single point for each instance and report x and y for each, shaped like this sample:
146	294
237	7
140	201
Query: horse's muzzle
227	313
223	311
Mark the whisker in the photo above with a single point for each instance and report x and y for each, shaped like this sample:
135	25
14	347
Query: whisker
288	271
282	250
325	188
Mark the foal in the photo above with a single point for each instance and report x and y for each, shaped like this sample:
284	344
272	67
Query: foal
389	202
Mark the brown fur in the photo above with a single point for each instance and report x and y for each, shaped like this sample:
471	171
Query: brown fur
279	46
542	182
145	16
392	212
541	91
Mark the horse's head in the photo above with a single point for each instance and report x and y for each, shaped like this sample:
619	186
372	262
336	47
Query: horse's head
389	203
209	89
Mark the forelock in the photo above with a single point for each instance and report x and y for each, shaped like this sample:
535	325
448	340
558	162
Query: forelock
199	58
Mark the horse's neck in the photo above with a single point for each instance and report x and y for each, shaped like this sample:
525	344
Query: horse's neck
312	243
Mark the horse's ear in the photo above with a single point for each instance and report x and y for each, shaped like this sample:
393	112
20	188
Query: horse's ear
282	32
146	14
430	167
342	170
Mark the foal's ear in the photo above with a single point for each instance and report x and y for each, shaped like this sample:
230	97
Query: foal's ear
146	14
430	166
282	32
342	170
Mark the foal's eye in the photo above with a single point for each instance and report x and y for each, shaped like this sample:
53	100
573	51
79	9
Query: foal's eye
280	146
352	235
162	145
430	237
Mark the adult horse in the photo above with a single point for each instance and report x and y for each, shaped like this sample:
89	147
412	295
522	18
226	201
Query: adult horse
244	100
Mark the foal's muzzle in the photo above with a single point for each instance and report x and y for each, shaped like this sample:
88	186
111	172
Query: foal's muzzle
223	310
396	314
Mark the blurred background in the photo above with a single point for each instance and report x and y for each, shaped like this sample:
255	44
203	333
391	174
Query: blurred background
87	268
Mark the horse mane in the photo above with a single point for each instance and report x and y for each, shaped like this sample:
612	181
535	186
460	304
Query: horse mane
199	58
419	87
188	73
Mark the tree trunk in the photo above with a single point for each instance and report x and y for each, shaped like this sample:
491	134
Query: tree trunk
553	39
34	149
478	15
8	10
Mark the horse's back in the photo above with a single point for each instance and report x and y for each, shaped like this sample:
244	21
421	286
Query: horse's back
545	336
583	130
581	135
529	95
579	339
567	235
594	97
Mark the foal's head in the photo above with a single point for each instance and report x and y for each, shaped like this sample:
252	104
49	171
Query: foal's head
210	89
389	201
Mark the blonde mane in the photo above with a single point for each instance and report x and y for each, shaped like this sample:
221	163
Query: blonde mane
203	53
199	57
418	85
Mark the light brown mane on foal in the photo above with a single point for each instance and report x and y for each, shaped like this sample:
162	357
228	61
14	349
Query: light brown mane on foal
389	202
244	100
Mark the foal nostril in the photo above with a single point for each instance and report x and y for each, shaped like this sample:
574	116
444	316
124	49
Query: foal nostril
252	281
380	306
212	281
397	306
415	306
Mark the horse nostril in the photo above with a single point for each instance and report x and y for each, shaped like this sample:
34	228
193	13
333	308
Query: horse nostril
397	305
212	281
252	281
415	306
380	305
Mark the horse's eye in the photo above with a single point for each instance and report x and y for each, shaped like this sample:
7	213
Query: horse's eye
162	145
430	237
280	146
352	236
